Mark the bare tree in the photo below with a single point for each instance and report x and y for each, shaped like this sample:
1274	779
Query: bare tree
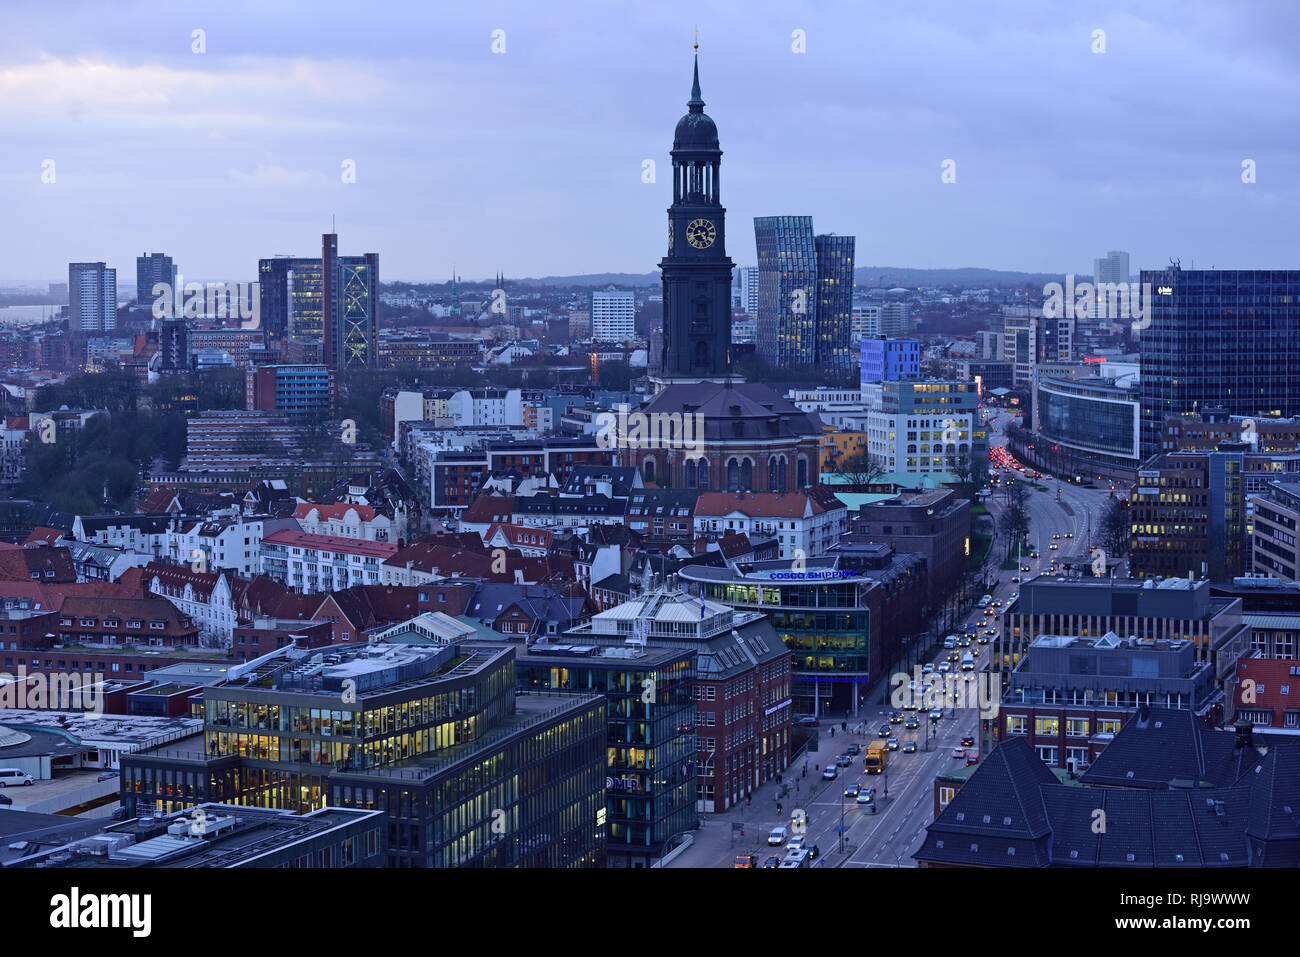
860	470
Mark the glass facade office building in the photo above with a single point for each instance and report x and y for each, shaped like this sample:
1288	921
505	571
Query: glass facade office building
467	772
1093	418
650	774
820	614
805	295
1219	338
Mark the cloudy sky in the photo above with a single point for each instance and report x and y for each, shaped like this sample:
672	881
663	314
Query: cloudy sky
530	161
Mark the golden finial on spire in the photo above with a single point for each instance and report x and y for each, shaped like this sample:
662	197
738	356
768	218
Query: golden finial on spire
697	39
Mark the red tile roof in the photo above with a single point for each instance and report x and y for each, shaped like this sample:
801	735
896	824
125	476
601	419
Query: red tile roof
334	512
761	504
331	543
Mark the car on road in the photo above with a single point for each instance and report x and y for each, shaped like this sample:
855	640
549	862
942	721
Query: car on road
1069	534
959	752
912	723
796	843
893	744
927	668
844	760
866	797
852	790
853	749
772	862
883	731
6	799
972	758
831	773
968	741
1053	546
936	714
1016	579
777	836
1056	537
1025	568
807	721
965	642
909	747
895	718
954	655
945	666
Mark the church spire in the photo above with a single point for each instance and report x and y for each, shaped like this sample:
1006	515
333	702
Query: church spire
696	103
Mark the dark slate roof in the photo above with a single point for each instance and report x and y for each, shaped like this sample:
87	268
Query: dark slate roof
1275	810
623	478
1167	747
1004	813
145	524
744	410
596	505
1254	820
675	502
1144	828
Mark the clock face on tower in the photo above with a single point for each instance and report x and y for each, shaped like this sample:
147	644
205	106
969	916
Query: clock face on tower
701	233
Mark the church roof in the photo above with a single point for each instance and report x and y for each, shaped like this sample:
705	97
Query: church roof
739	411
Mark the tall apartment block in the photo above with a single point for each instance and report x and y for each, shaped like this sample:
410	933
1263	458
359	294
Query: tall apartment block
92	297
151	269
1224	338
748	290
805	295
613	316
1030	339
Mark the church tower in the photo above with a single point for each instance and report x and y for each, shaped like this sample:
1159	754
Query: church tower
696	271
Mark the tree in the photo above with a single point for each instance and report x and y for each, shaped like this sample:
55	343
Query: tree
1013	526
860	470
1114	526
972	472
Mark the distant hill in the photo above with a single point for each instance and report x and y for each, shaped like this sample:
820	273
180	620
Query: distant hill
864	276
966	276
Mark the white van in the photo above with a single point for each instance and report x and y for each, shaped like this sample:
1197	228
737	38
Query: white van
950	641
13	776
777	837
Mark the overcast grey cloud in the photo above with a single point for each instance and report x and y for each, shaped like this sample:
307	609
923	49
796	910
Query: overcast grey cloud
529	162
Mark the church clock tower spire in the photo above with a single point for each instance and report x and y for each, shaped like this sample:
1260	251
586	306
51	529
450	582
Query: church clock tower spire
696	271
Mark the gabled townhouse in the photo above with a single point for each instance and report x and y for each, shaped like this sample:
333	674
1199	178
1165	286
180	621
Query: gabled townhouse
344	521
527	612
532	542
802	522
146	534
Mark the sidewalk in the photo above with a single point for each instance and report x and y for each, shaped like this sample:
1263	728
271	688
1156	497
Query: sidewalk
717	844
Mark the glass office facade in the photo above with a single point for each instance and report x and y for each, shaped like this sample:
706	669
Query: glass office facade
835	303
650	754
787	290
468	772
805	295
1219	338
826	625
1091	420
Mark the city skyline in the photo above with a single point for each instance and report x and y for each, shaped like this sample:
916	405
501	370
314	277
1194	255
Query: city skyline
460	158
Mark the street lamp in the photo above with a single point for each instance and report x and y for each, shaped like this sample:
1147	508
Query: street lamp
841	823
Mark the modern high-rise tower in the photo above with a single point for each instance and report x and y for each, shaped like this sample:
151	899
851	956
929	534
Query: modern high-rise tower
805	295
696	271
